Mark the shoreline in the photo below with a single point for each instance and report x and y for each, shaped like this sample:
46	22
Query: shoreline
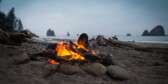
139	39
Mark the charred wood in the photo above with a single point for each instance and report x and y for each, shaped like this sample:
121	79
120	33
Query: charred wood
91	57
83	39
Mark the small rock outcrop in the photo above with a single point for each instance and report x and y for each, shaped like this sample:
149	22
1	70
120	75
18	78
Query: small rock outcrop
128	34
156	31
50	32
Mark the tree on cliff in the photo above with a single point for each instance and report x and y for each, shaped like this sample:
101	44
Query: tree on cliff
18	25
10	20
2	20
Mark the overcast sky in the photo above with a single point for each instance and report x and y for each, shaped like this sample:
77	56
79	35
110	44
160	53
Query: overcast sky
107	17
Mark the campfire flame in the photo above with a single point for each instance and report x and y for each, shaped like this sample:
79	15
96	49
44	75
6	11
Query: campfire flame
64	51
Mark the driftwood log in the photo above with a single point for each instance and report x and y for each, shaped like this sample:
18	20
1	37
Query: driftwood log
36	41
150	48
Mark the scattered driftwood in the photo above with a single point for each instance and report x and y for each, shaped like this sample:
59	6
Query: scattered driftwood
29	34
36	41
15	37
141	47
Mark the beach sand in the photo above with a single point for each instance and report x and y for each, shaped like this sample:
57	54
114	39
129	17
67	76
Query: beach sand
144	67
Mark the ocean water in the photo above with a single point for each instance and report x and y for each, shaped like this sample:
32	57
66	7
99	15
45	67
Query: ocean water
147	39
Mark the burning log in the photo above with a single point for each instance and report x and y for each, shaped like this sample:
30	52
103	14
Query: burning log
73	46
52	46
83	40
87	55
92	57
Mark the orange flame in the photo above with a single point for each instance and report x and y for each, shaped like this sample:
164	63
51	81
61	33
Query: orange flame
63	50
80	45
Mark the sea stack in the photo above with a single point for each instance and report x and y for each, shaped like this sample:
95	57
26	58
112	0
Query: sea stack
156	31
50	32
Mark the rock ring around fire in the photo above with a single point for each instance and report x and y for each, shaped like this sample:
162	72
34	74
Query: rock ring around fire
118	72
95	69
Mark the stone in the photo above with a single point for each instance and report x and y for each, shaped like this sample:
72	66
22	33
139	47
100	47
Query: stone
49	69
95	69
108	60
22	58
69	69
118	72
37	63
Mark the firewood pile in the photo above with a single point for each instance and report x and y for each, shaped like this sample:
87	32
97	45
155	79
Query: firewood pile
80	56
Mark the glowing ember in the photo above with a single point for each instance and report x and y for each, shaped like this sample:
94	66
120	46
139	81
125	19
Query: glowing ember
95	52
53	62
